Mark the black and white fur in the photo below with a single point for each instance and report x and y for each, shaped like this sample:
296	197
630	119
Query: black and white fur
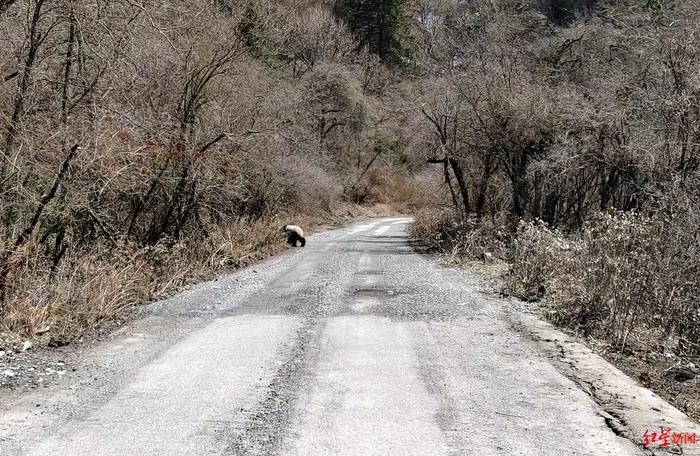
294	234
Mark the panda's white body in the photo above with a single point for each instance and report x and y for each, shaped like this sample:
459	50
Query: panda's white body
294	234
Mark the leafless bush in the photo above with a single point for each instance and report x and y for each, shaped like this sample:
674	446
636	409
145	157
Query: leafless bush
444	232
539	258
153	143
627	279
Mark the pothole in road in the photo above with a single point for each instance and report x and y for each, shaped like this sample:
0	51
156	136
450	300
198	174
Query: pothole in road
370	272
374	292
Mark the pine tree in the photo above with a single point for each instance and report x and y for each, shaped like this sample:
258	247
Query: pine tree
253	32
381	25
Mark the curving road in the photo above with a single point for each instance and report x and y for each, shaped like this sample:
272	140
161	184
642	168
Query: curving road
354	345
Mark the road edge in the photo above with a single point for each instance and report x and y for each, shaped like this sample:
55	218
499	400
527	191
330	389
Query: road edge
629	409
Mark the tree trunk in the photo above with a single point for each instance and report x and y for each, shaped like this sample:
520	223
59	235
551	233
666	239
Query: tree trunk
461	182
34	41
483	186
608	188
448	179
549	214
27	232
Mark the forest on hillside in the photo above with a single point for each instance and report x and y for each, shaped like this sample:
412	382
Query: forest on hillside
144	144
147	143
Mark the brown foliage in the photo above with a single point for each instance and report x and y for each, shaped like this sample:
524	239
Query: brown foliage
194	137
579	132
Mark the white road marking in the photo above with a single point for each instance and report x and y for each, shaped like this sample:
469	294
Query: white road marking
364	304
381	230
395	219
365	262
361	228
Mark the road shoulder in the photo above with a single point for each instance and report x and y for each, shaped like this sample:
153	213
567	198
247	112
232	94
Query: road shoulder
629	409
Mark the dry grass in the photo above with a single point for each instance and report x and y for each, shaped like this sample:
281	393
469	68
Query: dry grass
626	284
92	288
442	231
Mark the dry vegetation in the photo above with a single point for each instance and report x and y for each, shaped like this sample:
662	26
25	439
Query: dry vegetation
149	143
568	133
146	144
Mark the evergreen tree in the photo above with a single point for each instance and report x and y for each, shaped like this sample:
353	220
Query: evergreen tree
253	31
381	25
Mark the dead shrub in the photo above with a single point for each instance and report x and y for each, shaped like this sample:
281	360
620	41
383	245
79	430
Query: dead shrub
626	279
91	288
441	230
539	257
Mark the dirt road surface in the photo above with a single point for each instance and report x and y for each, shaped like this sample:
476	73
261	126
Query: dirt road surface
353	345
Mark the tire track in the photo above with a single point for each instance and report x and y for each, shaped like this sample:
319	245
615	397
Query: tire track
266	428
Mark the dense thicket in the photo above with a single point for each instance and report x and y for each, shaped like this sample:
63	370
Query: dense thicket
144	142
568	134
596	116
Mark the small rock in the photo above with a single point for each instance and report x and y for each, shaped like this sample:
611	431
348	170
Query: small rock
26	345
2	353
9	373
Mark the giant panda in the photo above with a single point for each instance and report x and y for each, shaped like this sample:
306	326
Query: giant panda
294	234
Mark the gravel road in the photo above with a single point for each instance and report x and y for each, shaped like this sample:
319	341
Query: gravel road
353	345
